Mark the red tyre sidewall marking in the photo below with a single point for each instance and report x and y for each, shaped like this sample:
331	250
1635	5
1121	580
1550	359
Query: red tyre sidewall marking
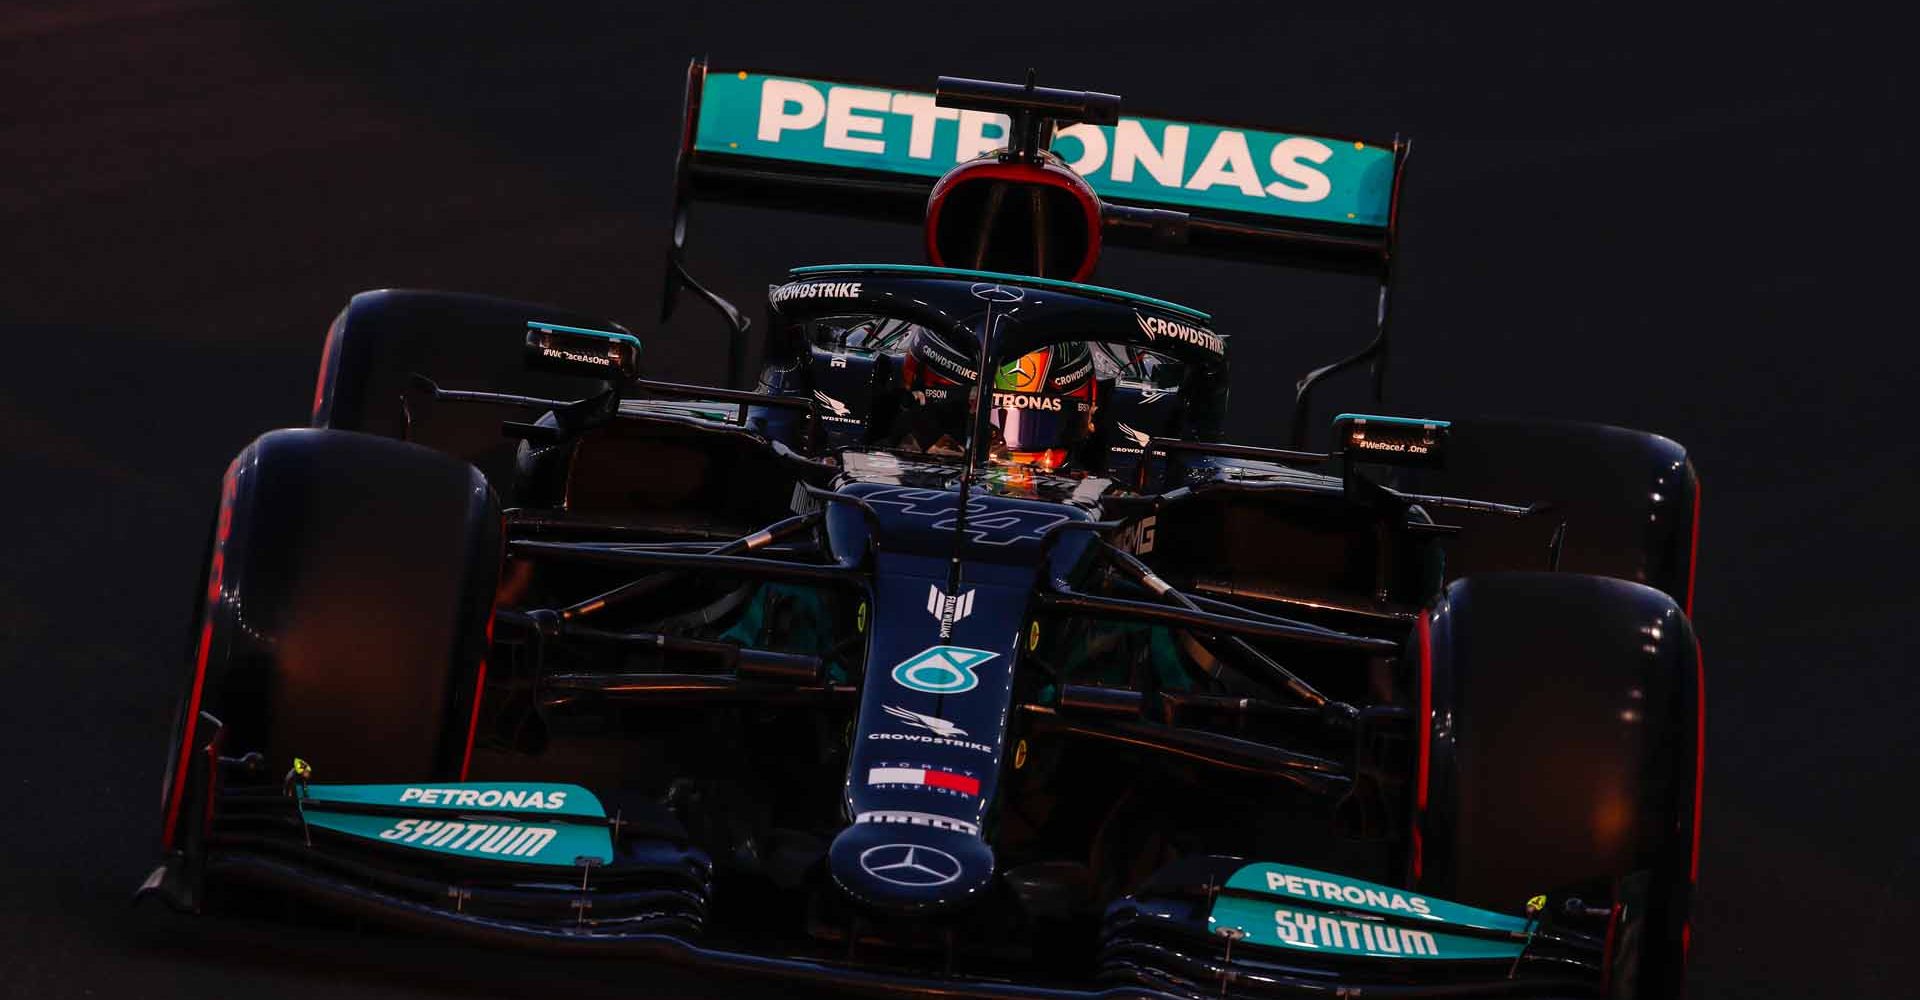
1424	720
216	571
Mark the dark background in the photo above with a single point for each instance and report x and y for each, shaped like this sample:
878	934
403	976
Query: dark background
1680	222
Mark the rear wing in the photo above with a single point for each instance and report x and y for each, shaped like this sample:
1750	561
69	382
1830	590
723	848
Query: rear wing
1316	201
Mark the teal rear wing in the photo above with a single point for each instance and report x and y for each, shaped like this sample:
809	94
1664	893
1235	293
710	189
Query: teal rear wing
1179	185
840	147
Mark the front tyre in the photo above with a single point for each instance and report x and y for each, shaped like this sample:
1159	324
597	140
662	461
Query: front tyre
1562	747
345	611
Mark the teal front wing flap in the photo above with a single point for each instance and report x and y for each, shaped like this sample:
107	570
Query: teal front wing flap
1337	915
1150	161
479	837
535	823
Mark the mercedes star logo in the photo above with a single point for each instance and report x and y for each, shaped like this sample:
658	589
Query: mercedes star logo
912	865
998	293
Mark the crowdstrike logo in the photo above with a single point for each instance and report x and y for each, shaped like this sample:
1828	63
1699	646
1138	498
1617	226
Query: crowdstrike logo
933	724
1156	327
939	359
1139	437
939	732
817	290
836	410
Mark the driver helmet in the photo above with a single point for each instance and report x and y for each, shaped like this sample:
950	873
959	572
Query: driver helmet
1040	411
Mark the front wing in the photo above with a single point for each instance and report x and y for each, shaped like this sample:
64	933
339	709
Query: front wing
543	867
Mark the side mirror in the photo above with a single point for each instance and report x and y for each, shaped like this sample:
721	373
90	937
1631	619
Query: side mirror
572	350
1412	441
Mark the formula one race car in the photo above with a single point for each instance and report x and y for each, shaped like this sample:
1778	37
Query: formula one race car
959	655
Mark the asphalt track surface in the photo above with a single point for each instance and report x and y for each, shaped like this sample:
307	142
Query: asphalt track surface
1684	224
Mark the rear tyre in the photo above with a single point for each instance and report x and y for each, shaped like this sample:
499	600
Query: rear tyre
1629	500
345	614
1564	750
383	338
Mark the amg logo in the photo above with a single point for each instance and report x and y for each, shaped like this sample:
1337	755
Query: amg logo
1137	537
491	798
1156	327
817	290
1308	930
509	839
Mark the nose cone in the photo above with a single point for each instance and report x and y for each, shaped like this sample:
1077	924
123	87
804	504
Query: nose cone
909	868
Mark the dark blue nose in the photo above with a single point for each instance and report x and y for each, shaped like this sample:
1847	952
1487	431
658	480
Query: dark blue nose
896	863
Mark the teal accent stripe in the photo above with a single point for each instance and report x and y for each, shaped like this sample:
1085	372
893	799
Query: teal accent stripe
1010	279
1412	421
1326	932
1318	889
609	334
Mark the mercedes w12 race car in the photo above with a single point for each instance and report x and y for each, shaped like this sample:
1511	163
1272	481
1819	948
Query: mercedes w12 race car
957	654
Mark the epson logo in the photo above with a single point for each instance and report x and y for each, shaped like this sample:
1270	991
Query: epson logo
817	290
1018	401
507	839
490	798
1156	327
